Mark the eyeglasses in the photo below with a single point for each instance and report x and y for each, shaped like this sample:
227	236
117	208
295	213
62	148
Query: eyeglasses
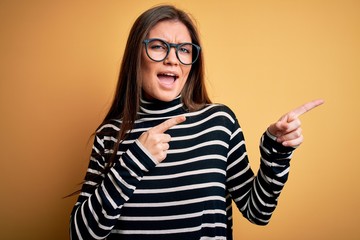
158	49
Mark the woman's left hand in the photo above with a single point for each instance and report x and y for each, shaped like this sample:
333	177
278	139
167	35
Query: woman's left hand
287	129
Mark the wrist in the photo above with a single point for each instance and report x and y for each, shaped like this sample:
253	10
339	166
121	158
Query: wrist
270	135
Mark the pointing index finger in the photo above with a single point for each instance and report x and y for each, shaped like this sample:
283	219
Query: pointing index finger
307	107
164	126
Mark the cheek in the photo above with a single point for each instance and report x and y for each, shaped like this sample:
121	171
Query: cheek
185	72
146	64
145	72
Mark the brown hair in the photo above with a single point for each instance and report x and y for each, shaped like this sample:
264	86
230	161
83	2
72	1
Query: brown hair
125	104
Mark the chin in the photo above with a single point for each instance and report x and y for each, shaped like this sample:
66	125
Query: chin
167	97
161	96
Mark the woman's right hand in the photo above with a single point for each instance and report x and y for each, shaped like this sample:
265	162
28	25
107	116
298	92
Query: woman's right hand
156	141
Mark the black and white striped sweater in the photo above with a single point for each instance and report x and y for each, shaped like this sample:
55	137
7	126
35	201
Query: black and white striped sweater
188	195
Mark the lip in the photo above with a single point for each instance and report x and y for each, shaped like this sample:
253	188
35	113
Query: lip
169	73
167	79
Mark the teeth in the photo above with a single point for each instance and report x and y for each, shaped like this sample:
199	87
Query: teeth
169	74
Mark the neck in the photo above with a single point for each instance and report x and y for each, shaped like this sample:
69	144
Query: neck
157	108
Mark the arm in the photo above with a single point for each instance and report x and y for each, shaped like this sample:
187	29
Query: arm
103	196
101	199
256	197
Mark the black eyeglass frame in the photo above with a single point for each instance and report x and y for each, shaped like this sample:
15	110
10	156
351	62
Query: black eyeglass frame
177	46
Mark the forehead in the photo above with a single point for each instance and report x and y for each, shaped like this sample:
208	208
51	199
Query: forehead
170	30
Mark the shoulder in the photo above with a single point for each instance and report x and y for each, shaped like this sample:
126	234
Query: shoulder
109	128
221	108
215	111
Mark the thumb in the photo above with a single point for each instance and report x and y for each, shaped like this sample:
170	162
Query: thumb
291	116
277	128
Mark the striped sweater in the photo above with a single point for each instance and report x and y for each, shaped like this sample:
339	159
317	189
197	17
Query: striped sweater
187	196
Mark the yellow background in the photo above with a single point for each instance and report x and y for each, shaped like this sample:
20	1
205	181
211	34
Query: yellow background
59	62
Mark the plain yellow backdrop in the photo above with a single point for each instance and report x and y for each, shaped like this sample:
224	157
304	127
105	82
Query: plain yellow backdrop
59	62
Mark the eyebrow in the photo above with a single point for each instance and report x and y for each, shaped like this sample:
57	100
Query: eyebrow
169	41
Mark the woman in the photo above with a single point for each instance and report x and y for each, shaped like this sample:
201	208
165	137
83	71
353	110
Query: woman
166	162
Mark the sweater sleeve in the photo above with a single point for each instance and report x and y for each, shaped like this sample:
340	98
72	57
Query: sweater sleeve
257	196
102	197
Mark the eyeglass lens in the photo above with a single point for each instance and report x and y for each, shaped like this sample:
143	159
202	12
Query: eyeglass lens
158	50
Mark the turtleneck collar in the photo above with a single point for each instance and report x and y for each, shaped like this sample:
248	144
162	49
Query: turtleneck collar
157	108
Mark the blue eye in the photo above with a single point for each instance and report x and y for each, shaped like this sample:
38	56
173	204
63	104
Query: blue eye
186	49
157	47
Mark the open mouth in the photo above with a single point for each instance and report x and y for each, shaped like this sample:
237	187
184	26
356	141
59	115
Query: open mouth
167	78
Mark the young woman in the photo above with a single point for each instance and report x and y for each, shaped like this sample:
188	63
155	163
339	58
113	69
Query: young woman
166	162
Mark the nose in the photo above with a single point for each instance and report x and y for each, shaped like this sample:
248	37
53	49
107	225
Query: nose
171	57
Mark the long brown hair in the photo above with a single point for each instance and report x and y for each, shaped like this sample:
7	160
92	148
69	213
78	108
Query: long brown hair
128	91
126	101
125	105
